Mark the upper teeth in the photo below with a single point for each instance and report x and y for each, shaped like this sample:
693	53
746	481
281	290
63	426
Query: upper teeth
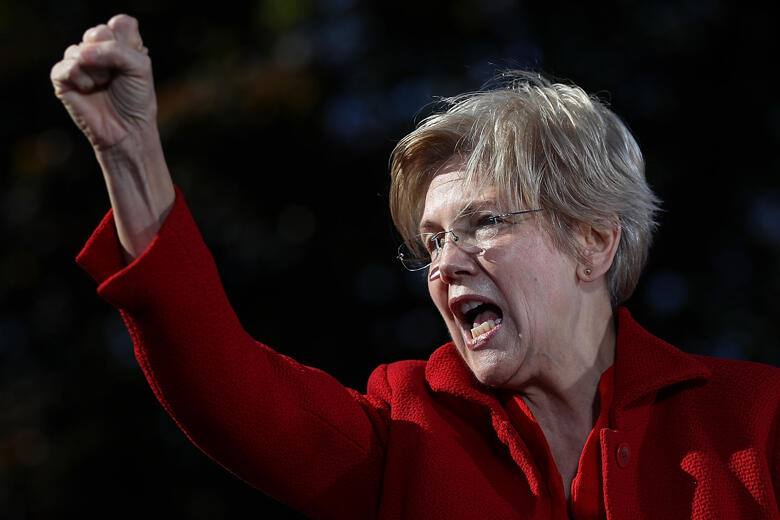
467	306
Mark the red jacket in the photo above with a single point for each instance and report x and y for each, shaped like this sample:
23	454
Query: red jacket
688	436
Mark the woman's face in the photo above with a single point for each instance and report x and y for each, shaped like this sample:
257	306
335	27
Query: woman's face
522	282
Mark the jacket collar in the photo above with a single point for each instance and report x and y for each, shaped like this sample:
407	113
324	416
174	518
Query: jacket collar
644	364
446	371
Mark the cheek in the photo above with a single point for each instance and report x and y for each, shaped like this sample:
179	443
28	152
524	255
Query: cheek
438	292
541	290
530	292
438	296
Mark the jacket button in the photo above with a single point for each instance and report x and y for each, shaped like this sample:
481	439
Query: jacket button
623	455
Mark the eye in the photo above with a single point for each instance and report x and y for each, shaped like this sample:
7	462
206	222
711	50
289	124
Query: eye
431	242
488	220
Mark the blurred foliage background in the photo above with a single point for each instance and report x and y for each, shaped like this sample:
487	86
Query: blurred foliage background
278	118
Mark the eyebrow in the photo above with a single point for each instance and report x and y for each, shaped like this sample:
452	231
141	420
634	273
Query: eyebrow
471	207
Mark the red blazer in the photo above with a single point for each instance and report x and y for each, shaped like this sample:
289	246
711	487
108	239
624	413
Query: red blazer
688	436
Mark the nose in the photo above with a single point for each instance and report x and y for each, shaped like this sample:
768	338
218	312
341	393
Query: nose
454	262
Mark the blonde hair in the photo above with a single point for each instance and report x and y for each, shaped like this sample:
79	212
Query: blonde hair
542	145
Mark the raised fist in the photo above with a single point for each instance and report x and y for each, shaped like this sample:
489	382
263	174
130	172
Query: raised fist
105	83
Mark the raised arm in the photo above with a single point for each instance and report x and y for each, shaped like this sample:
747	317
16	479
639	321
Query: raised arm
106	84
293	431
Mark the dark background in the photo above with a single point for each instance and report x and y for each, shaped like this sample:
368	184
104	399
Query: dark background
278	118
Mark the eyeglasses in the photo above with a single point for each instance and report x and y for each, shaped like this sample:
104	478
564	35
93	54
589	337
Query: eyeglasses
472	233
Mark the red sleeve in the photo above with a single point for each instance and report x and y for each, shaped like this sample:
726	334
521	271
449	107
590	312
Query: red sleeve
288	429
776	463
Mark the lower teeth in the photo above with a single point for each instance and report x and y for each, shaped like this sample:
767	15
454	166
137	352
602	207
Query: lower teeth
483	328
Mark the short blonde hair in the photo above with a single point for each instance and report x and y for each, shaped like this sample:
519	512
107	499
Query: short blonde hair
542	145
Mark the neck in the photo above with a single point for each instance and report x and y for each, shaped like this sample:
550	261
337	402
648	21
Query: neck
566	407
566	395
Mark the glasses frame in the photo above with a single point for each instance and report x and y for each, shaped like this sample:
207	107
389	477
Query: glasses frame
455	239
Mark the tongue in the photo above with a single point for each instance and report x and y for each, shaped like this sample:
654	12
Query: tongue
487	314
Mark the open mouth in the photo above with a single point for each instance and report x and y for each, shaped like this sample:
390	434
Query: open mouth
479	318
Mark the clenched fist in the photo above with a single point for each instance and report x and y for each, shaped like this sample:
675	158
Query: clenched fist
105	83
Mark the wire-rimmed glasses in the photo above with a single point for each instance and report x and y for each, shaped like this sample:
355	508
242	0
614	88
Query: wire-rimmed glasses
472	233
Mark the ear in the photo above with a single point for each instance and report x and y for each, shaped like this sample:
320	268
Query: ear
598	246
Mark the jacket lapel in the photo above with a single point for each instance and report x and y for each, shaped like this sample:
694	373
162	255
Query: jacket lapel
447	373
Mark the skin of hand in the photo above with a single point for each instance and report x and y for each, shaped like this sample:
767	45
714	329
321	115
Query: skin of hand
106	84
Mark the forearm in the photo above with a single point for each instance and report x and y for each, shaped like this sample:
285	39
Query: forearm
140	189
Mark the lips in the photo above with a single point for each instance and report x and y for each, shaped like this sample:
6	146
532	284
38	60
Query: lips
478	317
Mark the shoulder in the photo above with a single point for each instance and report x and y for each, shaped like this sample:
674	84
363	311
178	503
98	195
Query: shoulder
739	399
701	388
743	379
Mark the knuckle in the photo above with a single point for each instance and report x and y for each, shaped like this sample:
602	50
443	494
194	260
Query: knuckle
60	70
99	33
125	21
67	71
54	73
70	51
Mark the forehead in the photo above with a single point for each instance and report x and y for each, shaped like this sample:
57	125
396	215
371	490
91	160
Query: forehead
449	195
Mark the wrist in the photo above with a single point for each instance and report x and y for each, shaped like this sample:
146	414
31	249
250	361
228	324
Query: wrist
140	188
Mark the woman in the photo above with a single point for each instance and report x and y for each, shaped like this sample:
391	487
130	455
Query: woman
528	206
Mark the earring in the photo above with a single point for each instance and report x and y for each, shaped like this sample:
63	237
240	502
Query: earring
588	271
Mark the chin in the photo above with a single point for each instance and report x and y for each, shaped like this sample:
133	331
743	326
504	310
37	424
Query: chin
490	368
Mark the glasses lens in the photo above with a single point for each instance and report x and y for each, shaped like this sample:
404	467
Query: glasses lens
475	231
483	231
